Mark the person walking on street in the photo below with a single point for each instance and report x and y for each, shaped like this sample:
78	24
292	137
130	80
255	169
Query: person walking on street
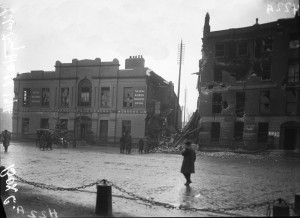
128	144
122	143
188	163
141	146
5	139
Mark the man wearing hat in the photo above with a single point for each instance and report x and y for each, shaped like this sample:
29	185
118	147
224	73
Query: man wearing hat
188	163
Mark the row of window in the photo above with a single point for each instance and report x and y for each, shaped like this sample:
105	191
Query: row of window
262	45
292	97
84	97
63	125
263	70
262	131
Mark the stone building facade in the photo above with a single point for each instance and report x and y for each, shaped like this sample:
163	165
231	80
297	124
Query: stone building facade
90	97
249	86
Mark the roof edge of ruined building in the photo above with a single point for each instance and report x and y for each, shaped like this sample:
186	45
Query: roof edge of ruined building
243	30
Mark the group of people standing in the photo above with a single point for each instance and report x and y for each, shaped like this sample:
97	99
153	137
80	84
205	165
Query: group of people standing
45	140
126	144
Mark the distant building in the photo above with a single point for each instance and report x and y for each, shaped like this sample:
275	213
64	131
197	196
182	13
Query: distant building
5	121
249	85
93	98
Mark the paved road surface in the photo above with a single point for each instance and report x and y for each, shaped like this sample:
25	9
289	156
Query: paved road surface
218	182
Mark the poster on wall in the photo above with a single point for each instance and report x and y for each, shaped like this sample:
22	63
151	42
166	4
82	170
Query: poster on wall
139	97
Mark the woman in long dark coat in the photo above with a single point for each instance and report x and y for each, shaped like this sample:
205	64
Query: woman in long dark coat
188	163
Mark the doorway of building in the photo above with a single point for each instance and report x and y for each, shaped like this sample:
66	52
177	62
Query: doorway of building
290	135
290	138
103	130
83	127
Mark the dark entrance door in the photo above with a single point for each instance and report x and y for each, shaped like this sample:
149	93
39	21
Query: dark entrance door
290	139
103	130
83	127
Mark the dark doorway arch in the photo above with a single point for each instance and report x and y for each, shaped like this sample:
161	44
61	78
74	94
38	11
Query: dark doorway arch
290	135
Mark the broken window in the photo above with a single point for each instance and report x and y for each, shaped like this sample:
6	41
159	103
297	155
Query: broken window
293	74
217	73
267	43
128	97
220	49
258	47
294	40
242	48
85	93
105	97
291	101
238	131
263	45
45	97
26	97
65	98
263	132
215	131
266	70
217	103
240	104
264	101
232	49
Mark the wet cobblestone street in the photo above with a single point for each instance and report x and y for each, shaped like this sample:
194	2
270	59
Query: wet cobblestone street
218	182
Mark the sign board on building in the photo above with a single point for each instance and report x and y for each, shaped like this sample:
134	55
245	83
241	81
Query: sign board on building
139	97
35	98
249	128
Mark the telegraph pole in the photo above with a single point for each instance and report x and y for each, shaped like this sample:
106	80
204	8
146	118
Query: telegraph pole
184	107
180	62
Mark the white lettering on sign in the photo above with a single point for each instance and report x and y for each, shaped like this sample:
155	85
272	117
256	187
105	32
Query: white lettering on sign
276	134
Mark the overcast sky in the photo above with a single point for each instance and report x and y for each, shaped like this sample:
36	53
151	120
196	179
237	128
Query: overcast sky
52	30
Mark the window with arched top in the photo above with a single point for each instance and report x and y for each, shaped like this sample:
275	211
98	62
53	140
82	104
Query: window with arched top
85	93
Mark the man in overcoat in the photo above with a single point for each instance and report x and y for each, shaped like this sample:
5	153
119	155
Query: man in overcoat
122	143
6	139
128	143
188	163
141	146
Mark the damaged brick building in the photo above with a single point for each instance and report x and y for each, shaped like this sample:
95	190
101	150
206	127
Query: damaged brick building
249	86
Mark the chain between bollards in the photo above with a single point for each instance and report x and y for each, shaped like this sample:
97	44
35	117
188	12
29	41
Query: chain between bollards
106	183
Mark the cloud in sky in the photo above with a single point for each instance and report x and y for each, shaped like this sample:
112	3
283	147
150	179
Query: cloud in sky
65	29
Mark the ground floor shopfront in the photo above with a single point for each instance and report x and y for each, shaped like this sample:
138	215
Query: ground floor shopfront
101	125
281	132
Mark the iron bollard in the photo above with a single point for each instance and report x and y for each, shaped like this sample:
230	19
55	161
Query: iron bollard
104	200
297	204
3	181
281	209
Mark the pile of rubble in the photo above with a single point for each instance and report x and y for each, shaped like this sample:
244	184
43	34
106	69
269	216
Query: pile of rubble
170	148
